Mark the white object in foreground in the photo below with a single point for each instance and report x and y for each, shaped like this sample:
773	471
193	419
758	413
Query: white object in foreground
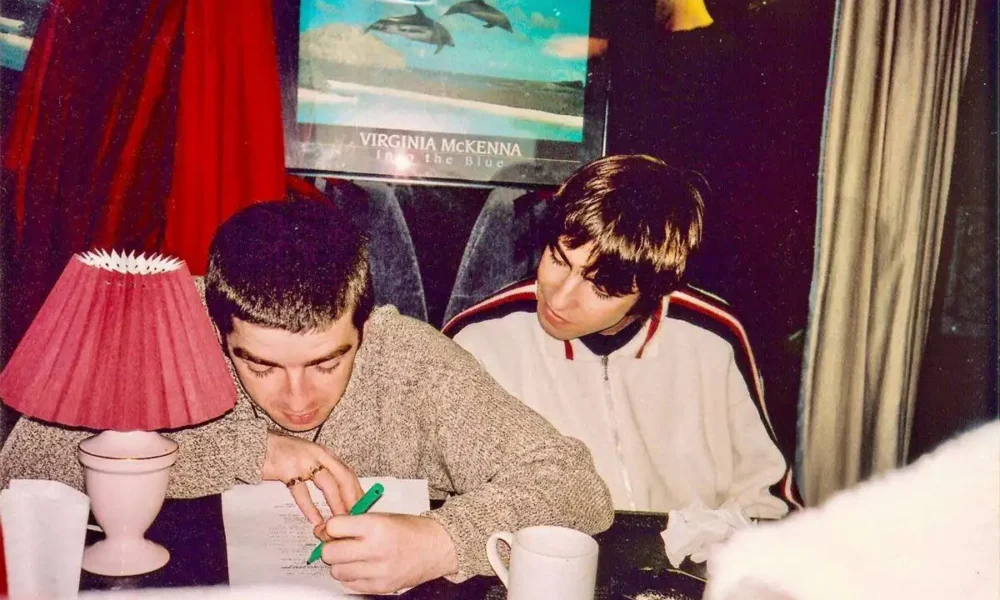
929	531
44	527
218	592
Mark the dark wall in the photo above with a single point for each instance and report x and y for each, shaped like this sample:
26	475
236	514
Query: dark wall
958	379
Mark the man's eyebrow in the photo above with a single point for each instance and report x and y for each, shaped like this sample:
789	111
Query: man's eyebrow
247	356
241	353
335	354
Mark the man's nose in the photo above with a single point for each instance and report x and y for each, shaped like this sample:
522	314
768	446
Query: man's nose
563	294
297	392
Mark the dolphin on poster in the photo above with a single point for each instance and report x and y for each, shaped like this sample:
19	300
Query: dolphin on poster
484	12
417	27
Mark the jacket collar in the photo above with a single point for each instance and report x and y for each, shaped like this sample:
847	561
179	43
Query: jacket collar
645	343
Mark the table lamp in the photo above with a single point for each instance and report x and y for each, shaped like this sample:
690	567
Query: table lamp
122	345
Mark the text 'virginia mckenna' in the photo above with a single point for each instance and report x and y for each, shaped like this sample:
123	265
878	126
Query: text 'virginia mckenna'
398	141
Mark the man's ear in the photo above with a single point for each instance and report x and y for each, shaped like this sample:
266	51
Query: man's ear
199	284
749	589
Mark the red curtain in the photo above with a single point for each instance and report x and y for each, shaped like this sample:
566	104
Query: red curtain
138	125
229	149
88	148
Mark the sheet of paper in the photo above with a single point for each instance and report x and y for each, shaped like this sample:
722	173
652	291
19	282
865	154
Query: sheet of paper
44	527
268	540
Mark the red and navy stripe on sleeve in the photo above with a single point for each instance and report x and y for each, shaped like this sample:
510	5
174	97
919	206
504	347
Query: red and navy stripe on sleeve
519	297
713	314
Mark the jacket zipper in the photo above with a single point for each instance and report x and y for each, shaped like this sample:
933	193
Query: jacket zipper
614	434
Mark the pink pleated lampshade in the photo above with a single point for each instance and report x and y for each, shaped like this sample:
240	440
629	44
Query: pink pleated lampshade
121	343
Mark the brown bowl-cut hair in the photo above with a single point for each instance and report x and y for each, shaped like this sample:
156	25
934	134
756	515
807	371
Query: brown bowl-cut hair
297	265
643	216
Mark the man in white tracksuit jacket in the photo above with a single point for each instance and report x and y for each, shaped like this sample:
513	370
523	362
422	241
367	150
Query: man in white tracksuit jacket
609	345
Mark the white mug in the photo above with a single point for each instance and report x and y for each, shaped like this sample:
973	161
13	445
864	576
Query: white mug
546	562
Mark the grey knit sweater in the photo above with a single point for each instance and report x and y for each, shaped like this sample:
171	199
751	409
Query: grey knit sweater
417	406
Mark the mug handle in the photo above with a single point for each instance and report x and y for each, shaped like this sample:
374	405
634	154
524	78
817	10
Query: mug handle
494	556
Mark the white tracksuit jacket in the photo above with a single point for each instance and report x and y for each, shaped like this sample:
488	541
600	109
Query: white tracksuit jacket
674	418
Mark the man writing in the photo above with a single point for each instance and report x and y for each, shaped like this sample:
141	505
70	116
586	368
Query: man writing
609	345
329	388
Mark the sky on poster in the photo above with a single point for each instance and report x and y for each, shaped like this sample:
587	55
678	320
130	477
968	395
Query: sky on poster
539	26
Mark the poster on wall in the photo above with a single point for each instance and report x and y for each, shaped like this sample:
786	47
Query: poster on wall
497	91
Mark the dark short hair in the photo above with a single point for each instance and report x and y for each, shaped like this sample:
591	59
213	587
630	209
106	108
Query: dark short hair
296	264
643	216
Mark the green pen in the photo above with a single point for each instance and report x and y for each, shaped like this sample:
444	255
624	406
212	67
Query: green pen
359	508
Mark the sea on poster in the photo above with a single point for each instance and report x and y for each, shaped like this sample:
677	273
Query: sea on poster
441	87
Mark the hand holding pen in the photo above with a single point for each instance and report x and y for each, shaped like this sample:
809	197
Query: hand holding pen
382	553
360	507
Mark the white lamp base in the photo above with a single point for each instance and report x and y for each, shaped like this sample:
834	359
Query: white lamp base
123	558
126	476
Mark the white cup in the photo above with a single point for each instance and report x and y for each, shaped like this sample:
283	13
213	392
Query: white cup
546	562
44	528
